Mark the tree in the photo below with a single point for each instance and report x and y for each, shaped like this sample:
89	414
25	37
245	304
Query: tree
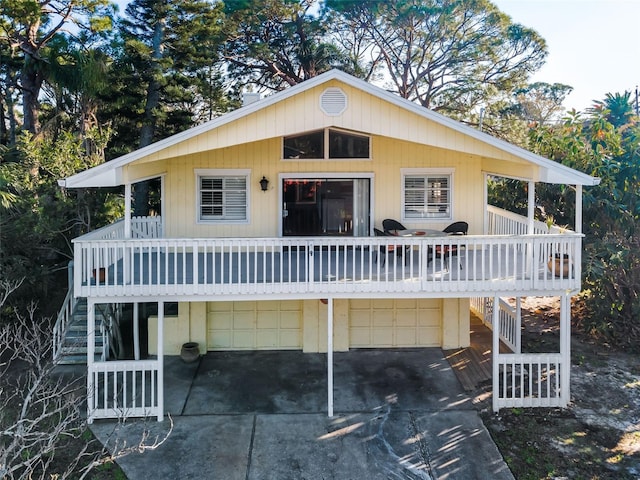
541	102
41	414
37	226
28	27
276	44
619	108
165	47
451	56
611	263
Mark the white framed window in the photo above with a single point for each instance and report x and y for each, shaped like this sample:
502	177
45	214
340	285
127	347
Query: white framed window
223	196
427	194
327	144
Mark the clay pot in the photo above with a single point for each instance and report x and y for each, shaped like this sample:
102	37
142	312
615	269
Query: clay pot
559	265
190	352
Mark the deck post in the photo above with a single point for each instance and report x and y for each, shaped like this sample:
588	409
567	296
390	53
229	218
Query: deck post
136	331
160	360
495	351
578	225
91	346
127	210
330	356
565	348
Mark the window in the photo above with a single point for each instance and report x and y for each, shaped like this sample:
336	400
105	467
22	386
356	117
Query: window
309	145
427	194
222	197
326	144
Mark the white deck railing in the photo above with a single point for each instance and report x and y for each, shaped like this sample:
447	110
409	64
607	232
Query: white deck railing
122	389
141	227
529	380
510	319
504	222
354	266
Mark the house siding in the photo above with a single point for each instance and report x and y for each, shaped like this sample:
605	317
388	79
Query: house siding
302	325
263	158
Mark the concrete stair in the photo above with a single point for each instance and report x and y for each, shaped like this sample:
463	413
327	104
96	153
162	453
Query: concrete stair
74	345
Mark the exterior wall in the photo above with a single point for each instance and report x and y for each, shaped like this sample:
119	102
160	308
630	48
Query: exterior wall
277	325
263	158
302	112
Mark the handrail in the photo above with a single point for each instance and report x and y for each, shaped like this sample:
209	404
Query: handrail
141	227
504	222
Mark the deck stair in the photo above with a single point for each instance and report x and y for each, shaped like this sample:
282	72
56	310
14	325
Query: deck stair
73	350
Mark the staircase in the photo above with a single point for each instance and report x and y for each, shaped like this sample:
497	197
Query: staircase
73	346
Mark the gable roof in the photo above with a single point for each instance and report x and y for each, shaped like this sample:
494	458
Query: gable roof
110	173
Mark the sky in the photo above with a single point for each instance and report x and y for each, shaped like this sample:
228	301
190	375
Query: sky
594	45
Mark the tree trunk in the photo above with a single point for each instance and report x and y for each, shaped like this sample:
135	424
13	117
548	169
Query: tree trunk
31	80
147	132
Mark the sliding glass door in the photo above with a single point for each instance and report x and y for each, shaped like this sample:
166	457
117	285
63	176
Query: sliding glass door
326	206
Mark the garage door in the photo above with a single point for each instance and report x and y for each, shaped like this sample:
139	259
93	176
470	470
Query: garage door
275	325
395	323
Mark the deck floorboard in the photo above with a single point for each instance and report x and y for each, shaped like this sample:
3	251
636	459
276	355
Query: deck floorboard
472	365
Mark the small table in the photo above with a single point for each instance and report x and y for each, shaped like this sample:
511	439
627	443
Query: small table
420	232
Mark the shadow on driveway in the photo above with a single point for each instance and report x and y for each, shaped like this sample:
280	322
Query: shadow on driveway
399	414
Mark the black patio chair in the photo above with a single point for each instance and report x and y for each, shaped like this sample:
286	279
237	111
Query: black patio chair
392	248
390	225
384	249
456	228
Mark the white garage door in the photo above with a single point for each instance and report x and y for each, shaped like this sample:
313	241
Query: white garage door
395	323
265	325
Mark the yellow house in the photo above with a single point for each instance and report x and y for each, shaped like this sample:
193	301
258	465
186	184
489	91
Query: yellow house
267	236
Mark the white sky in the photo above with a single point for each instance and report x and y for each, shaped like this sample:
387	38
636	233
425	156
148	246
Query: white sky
594	45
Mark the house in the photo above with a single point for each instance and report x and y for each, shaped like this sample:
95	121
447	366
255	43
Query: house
266	241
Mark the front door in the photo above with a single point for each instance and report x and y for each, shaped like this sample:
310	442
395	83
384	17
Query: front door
325	206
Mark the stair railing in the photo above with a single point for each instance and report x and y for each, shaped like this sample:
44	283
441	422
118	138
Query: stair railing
65	315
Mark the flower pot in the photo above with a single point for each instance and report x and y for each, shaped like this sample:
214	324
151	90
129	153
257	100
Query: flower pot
559	265
190	352
100	274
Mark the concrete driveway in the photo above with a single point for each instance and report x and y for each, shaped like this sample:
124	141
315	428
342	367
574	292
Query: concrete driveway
399	414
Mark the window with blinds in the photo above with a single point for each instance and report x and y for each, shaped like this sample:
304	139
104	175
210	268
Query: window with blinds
427	196
223	198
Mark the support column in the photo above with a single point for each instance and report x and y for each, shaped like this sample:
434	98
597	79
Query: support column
91	346
160	361
531	206
330	357
565	348
495	351
127	210
578	220
136	332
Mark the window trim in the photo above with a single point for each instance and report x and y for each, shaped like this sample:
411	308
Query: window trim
207	172
325	140
427	172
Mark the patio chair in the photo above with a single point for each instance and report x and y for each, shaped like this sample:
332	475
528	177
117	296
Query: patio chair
456	228
390	225
391	248
384	249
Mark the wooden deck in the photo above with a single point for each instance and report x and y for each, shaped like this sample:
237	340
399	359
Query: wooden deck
472	365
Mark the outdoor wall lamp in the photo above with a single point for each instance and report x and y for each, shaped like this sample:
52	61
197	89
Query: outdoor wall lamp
264	184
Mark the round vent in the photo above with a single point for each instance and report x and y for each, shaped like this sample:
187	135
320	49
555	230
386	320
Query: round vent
333	101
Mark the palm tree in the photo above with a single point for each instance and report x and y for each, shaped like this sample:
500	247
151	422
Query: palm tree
619	107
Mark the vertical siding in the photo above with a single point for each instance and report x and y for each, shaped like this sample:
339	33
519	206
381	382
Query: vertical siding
263	158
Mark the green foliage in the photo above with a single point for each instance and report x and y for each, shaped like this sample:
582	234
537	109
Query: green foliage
37	226
611	214
612	268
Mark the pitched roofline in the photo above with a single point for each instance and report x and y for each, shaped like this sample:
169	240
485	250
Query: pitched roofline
107	174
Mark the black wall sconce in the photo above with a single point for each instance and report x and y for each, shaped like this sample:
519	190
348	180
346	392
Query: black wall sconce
264	184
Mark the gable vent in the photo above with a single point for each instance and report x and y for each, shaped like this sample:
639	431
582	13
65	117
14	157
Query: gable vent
333	101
